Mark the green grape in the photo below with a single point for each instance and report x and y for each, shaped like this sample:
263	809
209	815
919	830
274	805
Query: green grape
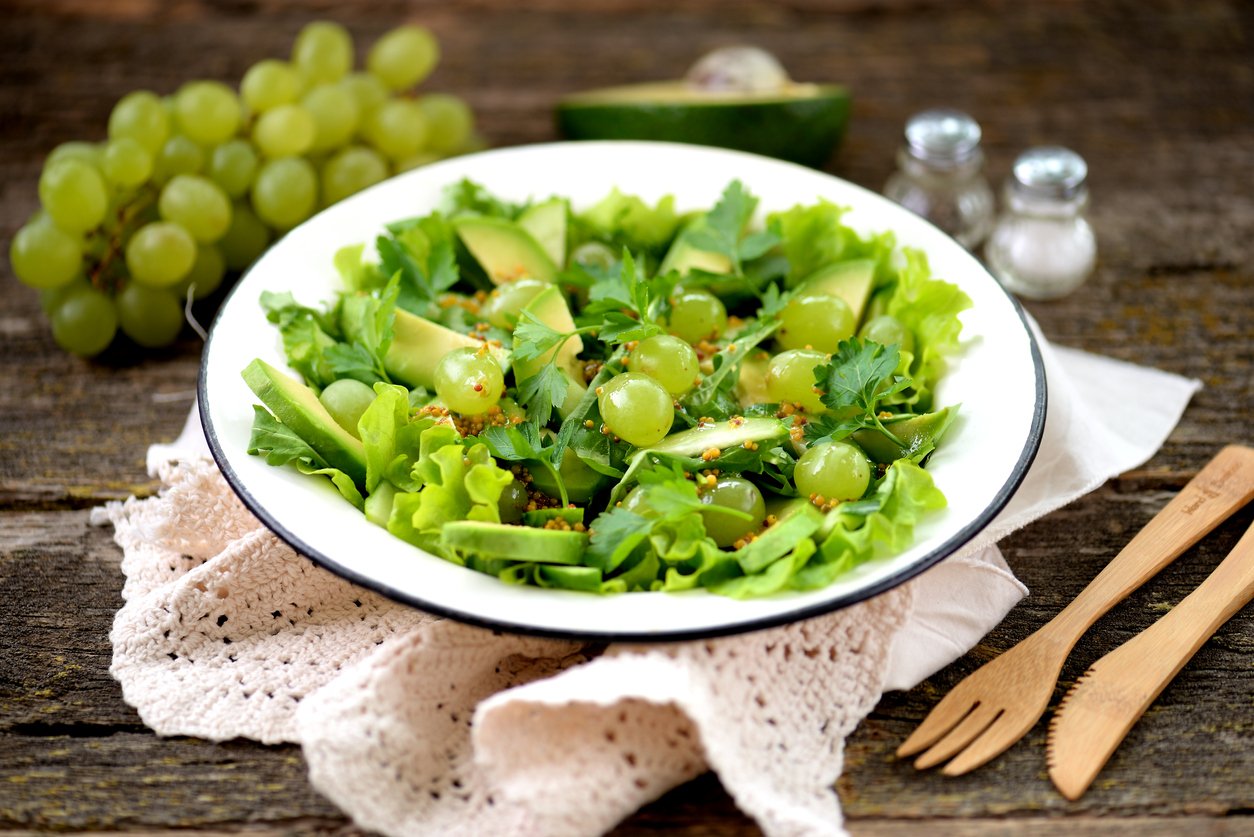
45	256
232	166
636	409
403	57
449	122
206	274
268	84
398	129
732	493
836	471
346	399
594	254
349	171
285	192
367	91
85	322
160	254
152	317
469	381
323	52
506	302
88	152
126	163
513	502
198	205
887	329
696	315
142	117
335	116
815	321
669	361
50	299
178	156
208	111
245	240
284	131
74	194
790	377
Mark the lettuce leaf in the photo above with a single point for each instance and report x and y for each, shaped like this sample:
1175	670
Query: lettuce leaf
929	308
280	446
628	221
458	483
877	526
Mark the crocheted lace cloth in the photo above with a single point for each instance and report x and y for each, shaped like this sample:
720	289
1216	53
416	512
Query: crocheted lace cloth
417	725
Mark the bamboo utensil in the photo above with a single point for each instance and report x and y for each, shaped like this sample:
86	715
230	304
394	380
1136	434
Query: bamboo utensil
996	705
1106	701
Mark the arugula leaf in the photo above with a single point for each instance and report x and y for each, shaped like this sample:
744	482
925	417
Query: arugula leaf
306	334
369	324
281	446
705	399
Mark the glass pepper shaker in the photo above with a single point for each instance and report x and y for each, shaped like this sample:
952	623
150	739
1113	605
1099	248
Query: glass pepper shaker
1042	246
940	175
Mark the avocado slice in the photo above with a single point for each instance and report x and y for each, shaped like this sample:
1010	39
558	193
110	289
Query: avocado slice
684	258
418	345
798	122
505	250
917	433
751	381
851	281
547	224
514	543
550	308
299	409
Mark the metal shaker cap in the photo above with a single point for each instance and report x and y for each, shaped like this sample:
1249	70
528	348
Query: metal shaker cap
1051	172
943	137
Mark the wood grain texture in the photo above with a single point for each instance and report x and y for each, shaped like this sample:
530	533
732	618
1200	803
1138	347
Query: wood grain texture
1155	95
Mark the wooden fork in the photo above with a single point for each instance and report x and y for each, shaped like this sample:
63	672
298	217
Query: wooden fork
996	705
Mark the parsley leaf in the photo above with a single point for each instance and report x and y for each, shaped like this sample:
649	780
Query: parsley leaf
720	231
859	376
543	391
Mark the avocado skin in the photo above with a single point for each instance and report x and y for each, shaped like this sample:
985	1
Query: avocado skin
299	409
803	130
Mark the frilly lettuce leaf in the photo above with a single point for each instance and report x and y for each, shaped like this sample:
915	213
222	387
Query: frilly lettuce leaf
391	439
458	483
929	308
877	526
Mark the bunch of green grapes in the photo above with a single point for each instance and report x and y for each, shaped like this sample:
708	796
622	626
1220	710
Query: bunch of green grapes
191	186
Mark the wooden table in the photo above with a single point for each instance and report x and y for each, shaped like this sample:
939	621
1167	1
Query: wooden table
1159	97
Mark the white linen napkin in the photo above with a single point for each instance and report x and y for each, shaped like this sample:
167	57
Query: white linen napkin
418	725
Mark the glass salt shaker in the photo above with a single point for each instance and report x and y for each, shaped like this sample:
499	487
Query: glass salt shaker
1042	246
940	175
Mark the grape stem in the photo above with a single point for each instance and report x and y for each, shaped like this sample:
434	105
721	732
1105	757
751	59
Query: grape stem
127	213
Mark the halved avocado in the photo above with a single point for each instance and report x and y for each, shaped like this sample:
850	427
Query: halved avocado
803	123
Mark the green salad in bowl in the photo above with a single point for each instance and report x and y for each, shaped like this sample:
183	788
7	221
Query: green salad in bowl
622	397
621	390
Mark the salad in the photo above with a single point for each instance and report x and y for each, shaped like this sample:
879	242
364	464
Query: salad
623	397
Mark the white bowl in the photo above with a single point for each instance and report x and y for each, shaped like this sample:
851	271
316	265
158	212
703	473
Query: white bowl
998	379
